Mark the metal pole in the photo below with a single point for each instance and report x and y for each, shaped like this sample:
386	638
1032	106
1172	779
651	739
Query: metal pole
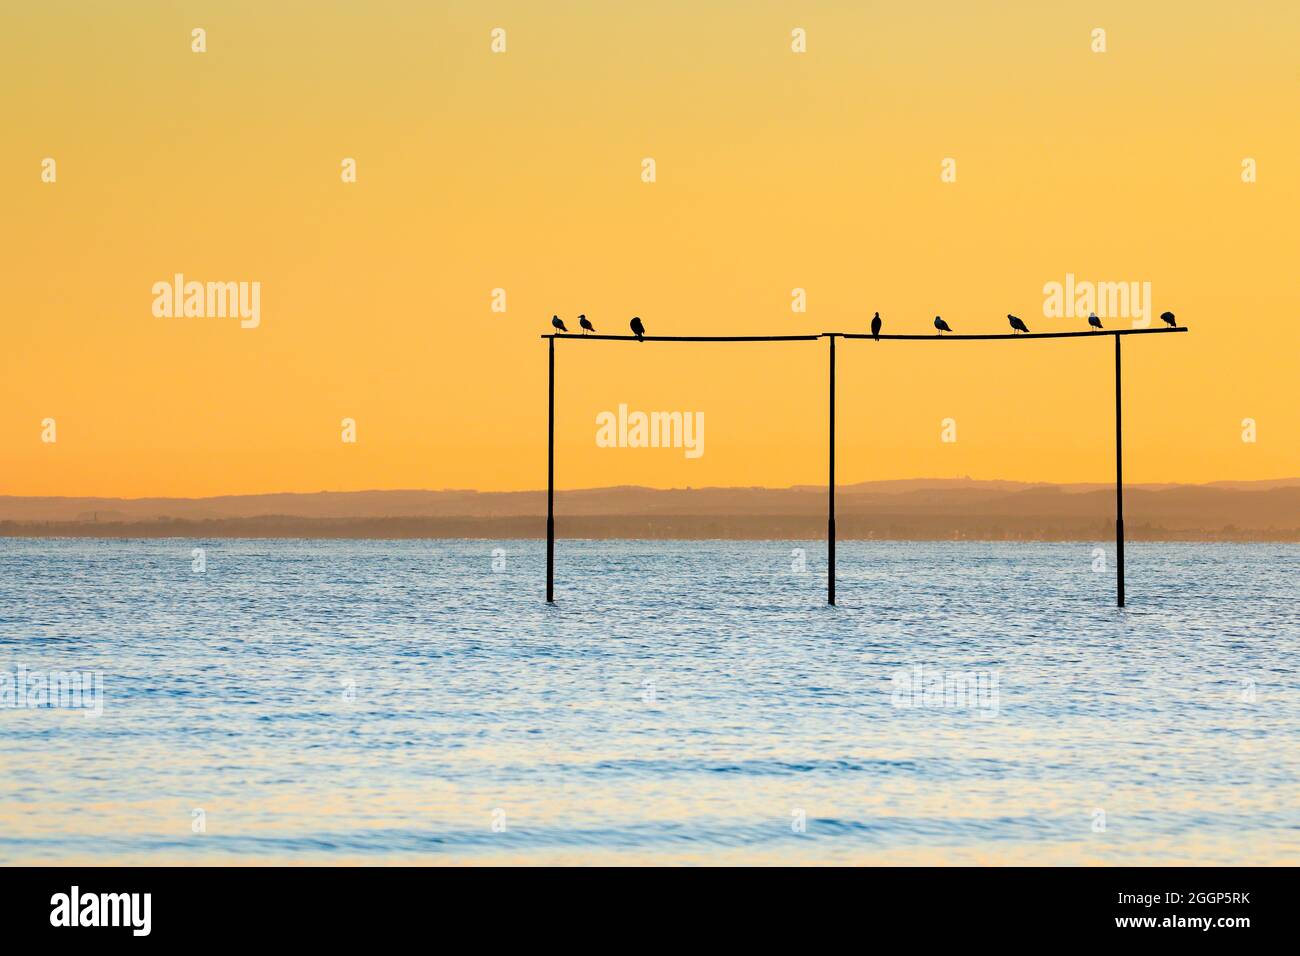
1119	485
830	491
550	481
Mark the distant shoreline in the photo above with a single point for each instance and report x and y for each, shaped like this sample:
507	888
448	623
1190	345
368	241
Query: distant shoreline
626	527
910	510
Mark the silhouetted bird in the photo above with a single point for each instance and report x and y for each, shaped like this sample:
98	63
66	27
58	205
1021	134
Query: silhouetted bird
586	326
1169	319
1016	324
875	327
941	325
1093	320
559	326
637	328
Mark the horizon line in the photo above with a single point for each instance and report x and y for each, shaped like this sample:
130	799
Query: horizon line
791	487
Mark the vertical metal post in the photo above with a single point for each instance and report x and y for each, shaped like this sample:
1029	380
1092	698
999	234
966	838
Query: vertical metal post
550	480
1119	483
830	520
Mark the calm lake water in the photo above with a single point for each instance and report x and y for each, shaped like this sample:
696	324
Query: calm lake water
683	702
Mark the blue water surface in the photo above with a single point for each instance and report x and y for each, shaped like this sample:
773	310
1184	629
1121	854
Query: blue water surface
682	702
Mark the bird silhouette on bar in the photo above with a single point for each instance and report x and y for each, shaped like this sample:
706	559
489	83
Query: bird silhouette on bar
1018	328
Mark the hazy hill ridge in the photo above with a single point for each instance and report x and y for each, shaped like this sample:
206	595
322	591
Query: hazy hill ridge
919	509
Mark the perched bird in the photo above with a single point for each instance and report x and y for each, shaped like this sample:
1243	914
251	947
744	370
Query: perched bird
941	325
637	328
875	327
586	326
1016	324
558	325
1169	319
1093	320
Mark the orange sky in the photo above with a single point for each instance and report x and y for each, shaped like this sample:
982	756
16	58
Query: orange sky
522	170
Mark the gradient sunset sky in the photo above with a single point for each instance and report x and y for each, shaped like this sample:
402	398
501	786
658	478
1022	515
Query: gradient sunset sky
522	170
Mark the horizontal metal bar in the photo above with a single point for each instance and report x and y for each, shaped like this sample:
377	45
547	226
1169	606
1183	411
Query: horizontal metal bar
935	337
685	338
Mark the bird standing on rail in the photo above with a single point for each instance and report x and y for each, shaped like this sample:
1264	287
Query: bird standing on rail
1016	324
637	328
1093	320
875	327
941	325
1169	319
557	324
586	326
